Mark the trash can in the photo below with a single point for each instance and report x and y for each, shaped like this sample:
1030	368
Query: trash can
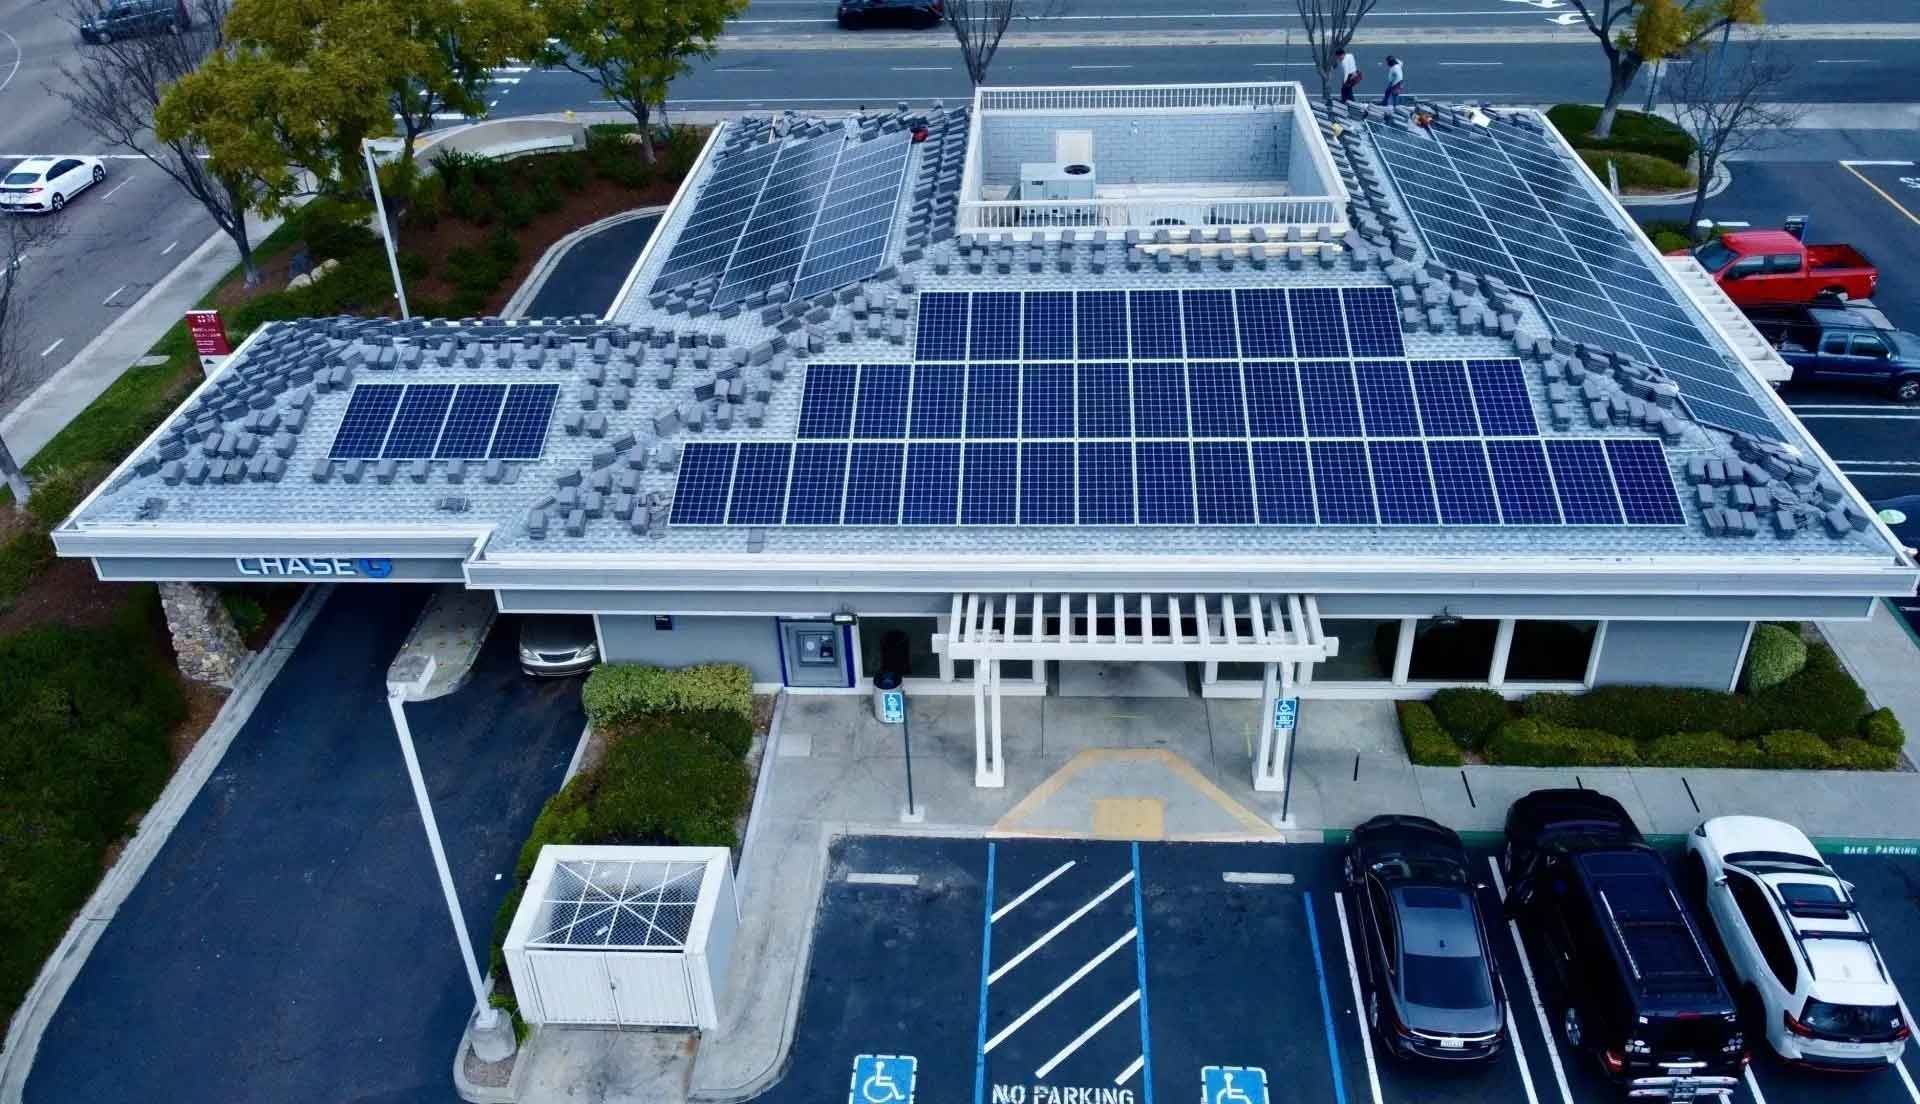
889	700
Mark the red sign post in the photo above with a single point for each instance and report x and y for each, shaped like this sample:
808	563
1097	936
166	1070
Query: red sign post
209	333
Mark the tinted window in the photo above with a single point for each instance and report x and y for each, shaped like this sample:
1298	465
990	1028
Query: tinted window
1752	902
1440	982
21	178
1836	344
1852	1020
1867	345
1783	262
1747	266
1713	256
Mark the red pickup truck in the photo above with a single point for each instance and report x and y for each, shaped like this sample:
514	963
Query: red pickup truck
1757	267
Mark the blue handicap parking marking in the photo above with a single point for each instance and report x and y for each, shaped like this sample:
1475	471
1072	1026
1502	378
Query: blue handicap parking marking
1233	1085
882	1079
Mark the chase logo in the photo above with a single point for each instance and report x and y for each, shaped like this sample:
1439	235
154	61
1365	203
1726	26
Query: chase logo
315	567
374	568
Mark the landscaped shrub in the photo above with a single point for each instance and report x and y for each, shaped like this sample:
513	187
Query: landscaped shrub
1632	131
1668	241
247	614
571	171
1532	742
22	557
1638	171
1792	749
618	691
1849	753
667	779
1882	729
58	493
1469	715
1776	654
1822	698
1699	749
1645	712
1427	743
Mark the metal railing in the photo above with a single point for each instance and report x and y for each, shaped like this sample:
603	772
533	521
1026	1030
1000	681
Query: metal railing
1008	214
1184	97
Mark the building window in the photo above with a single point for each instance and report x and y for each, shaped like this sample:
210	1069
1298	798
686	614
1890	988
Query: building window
1367	649
1452	650
1551	651
912	636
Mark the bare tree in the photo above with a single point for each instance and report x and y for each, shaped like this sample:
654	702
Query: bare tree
1330	26
979	25
113	90
1718	96
20	237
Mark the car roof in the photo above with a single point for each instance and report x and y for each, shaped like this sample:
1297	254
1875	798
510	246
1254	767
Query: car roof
1436	920
1734	834
1768	241
34	164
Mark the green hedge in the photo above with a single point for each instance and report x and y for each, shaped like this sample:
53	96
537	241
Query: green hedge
1793	749
1427	743
1647	712
1532	742
619	691
1849	753
1469	714
1882	729
22	556
1638	171
1822	698
1633	132
1776	654
1700	749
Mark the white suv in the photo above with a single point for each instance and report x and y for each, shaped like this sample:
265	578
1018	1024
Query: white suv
1800	949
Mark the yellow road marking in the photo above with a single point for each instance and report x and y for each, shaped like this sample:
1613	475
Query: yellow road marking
1130	818
1911	217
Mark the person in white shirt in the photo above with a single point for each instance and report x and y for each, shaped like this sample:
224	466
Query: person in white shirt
1349	74
1396	80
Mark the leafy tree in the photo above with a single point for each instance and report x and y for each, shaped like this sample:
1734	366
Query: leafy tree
1634	32
634	48
1330	26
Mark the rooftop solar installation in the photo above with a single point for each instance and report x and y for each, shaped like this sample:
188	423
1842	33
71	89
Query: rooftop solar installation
445	421
1501	201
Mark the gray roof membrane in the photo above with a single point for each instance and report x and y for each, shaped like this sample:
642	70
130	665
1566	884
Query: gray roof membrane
248	453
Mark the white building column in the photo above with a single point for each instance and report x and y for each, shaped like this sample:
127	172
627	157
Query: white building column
1266	757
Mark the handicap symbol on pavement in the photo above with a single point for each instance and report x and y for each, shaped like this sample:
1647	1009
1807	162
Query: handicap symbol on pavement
1233	1085
888	1079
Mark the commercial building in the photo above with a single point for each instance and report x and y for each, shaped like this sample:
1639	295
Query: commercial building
1282	404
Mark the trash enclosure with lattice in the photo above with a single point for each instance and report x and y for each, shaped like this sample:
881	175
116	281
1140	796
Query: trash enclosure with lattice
624	936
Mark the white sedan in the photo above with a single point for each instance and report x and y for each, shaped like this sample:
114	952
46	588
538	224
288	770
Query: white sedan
47	183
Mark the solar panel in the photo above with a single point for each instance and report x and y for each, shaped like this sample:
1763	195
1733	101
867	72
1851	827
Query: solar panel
1645	482
932	484
1500	395
1446	405
1213	391
1373	321
416	427
1100	321
775	238
826	402
1273	401
524	420
1046	401
1155	322
1265	325
993	400
995	330
881	406
818	483
700	491
1333	407
1106	401
987	486
725	202
873	484
1521	480
850	237
943	326
1401	483
1048	329
759	483
1386	398
363	428
1282	484
1159	400
1164	482
1106	483
1340	483
1209	324
1046	483
470	421
1586	490
1318	328
939	392
1222	483
1462	483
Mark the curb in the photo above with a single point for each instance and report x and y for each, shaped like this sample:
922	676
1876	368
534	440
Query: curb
63	965
529	289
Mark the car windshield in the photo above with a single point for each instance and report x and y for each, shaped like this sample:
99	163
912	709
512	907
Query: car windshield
1713	256
1440	963
1442	981
21	178
1865	1021
1687	1034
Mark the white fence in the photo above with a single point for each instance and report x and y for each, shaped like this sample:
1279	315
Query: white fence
1012	214
1146	97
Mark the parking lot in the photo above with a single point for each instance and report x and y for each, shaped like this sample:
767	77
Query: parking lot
1080	972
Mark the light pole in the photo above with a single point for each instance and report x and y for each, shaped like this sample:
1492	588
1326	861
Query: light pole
388	147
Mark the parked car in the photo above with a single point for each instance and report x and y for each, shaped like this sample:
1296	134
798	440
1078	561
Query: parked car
553	646
1631	977
133	18
1772	266
47	183
1798	947
1428	978
891	13
1843	345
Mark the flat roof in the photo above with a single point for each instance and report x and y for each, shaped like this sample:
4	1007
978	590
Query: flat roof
254	454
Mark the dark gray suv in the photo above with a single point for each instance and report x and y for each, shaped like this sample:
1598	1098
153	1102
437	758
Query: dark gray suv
133	18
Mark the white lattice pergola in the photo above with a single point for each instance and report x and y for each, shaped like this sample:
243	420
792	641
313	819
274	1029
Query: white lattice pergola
1280	632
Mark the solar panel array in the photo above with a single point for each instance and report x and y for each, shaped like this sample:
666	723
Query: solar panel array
813	214
1261	407
445	421
1502	201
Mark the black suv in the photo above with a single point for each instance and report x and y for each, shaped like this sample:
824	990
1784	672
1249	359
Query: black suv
1635	983
131	18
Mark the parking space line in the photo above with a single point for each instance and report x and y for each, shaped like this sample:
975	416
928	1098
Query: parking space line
1032	889
1133	1067
1526	970
1140	971
1326	1003
1060	990
1881	192
1359	1004
1907	1080
986	957
1080	1040
860	878
1057	929
1255	877
1753	1087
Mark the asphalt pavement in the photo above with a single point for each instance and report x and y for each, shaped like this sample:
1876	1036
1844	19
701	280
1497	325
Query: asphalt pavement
590	274
290	942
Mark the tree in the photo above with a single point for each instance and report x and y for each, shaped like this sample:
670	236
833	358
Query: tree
979	25
1330	26
20	235
633	49
114	90
1634	32
1716	96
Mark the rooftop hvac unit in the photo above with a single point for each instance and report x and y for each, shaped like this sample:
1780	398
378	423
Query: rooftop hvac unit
1069	180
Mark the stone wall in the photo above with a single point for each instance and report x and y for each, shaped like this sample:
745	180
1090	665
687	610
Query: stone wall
205	643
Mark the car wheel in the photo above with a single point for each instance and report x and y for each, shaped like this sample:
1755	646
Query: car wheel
1570	1025
58	202
99	173
105	38
1906	390
846	22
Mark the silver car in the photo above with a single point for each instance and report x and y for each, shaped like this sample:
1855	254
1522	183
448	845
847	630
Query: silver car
553	646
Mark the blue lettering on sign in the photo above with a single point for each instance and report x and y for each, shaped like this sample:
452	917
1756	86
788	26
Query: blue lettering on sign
1233	1085
1286	713
314	567
374	567
882	1079
893	706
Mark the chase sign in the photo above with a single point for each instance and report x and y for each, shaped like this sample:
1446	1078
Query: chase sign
314	567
